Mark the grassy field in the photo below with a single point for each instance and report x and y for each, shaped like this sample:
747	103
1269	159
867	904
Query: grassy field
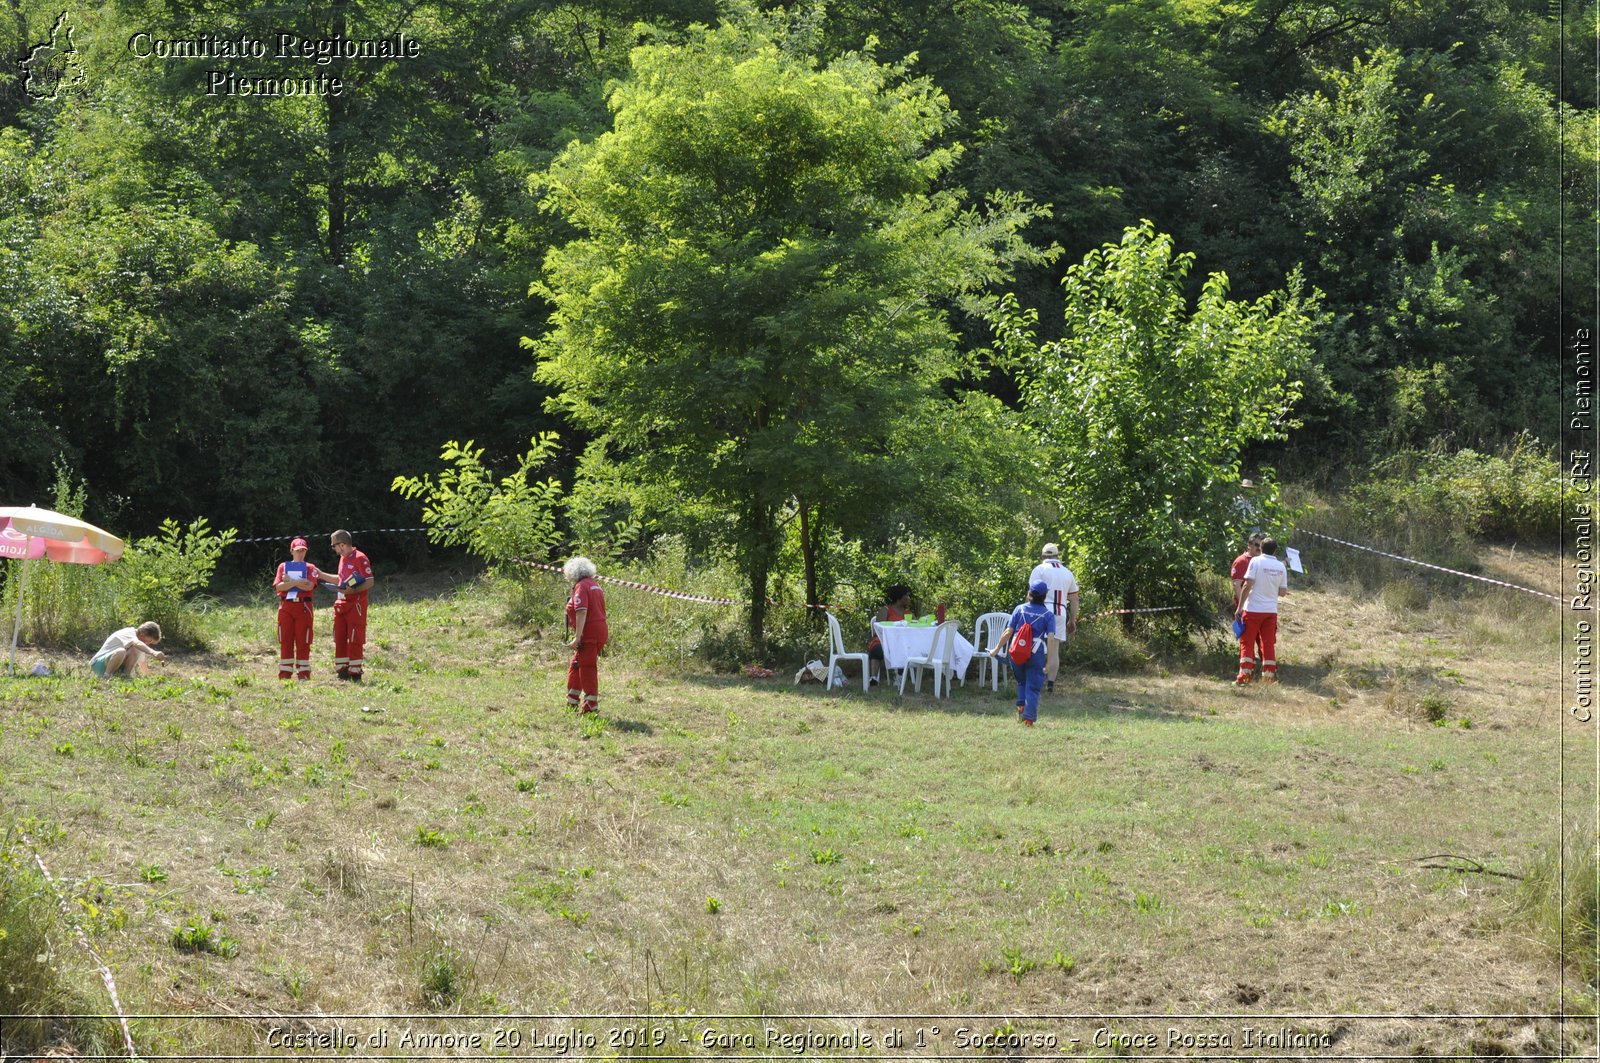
1165	866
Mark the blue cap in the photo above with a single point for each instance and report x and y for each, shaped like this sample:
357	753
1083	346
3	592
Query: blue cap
1039	588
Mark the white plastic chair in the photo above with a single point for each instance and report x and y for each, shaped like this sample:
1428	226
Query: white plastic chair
940	659
836	652
985	633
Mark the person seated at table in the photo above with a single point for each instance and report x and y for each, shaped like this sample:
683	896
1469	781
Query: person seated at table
897	606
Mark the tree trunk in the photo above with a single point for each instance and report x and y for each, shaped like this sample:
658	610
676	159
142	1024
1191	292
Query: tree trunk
758	559
808	554
338	115
1127	603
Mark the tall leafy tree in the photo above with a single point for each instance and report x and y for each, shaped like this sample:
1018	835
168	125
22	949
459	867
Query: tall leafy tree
1148	405
761	284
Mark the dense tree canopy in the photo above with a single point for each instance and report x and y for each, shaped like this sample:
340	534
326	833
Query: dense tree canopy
755	305
264	308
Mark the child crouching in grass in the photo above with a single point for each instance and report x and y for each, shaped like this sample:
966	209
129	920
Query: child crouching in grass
128	651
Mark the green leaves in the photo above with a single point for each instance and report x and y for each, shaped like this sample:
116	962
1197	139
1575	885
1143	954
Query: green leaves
1148	405
497	521
755	298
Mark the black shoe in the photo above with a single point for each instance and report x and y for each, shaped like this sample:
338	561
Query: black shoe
354	677
1049	686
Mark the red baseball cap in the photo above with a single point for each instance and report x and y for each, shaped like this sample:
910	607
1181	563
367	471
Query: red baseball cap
299	544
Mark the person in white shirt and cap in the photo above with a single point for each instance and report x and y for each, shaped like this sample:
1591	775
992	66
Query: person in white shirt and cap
1062	598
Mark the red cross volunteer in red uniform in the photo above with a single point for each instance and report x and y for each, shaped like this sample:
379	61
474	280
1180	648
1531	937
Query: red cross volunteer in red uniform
296	583
350	608
586	616
1264	582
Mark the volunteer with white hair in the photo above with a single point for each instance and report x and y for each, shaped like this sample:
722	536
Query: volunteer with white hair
1062	597
586	617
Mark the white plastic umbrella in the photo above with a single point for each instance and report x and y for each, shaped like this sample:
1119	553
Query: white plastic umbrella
29	533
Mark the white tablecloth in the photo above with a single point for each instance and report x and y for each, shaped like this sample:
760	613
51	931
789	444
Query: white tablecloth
901	642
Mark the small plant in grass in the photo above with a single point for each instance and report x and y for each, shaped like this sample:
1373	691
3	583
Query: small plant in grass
442	978
530	785
195	936
64	749
152	873
1016	964
429	838
713	905
1434	707
1063	961
294	983
907	828
1147	902
1338	909
825	856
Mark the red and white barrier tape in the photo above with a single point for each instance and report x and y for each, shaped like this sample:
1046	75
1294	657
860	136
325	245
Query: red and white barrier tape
83	939
1125	612
681	596
317	535
636	585
1424	564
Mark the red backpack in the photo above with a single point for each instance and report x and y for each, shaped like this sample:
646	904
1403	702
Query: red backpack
1022	643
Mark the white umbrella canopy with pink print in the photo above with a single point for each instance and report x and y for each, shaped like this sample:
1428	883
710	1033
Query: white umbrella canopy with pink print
29	533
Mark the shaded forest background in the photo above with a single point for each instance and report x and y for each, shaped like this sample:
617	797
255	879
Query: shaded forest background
263	310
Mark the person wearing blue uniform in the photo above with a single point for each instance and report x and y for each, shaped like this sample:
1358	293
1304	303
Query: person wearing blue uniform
1030	676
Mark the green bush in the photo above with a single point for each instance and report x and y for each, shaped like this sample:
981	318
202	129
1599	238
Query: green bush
158	575
1428	501
498	521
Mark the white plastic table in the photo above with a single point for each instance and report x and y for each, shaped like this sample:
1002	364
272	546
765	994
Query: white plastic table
900	643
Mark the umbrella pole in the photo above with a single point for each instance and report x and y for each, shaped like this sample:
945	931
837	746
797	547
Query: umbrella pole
16	625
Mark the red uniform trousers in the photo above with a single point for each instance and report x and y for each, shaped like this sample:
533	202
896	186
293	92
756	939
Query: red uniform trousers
294	639
583	674
349	634
1260	631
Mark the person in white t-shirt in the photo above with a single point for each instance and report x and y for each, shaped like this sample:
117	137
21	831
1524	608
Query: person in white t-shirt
128	651
1062	597
1265	581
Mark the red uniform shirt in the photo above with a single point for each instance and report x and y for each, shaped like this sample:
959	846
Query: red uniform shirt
1241	565
312	574
586	594
354	563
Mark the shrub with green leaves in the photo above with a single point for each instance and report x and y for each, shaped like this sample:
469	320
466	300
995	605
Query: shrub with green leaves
159	575
497	521
1425	500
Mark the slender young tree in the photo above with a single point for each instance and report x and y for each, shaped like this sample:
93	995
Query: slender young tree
1147	406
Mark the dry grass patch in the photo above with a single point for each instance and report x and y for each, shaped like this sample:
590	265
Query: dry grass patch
447	839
